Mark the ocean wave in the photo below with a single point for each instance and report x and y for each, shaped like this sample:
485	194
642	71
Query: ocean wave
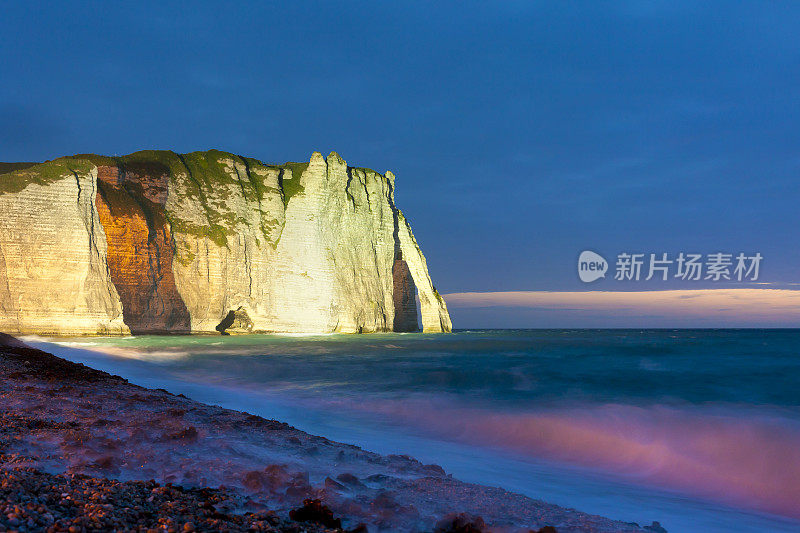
715	423
149	355
288	334
714	452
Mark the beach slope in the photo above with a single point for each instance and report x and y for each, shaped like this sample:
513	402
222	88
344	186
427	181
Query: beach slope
82	450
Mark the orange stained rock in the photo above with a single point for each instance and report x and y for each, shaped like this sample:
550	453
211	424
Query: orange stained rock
140	249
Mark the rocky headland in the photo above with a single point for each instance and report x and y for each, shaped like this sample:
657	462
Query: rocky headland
205	242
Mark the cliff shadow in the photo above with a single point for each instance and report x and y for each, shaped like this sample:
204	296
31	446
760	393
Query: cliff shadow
404	290
404	295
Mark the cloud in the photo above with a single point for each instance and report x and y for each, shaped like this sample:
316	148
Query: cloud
752	306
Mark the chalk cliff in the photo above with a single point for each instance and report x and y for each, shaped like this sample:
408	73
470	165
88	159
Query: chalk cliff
156	242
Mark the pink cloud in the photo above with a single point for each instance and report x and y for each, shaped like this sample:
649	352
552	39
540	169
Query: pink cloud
757	306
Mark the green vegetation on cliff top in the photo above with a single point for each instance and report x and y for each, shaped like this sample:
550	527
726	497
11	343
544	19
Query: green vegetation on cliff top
42	174
291	186
206	177
11	167
366	170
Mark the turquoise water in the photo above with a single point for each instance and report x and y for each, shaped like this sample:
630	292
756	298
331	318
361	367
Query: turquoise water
699	429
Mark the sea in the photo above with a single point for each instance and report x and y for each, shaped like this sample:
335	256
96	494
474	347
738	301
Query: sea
696	429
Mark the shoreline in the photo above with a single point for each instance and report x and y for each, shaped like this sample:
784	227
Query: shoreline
66	419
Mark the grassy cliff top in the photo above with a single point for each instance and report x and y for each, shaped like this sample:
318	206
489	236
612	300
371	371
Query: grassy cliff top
11	167
202	166
205	178
207	175
41	173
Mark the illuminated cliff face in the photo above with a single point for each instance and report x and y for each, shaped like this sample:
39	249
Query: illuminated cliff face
161	242
140	250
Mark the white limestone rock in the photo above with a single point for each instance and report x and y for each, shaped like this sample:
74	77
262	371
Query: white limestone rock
307	248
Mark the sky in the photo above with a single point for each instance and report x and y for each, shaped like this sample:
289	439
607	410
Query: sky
521	133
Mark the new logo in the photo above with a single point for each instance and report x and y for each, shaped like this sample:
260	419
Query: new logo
591	266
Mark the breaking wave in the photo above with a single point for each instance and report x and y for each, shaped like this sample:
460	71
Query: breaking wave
714	452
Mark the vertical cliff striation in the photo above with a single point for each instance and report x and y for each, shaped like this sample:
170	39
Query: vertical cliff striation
157	242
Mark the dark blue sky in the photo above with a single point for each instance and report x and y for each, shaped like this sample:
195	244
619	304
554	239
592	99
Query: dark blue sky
521	133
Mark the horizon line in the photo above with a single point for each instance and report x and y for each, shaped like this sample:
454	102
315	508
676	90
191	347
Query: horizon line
755	306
